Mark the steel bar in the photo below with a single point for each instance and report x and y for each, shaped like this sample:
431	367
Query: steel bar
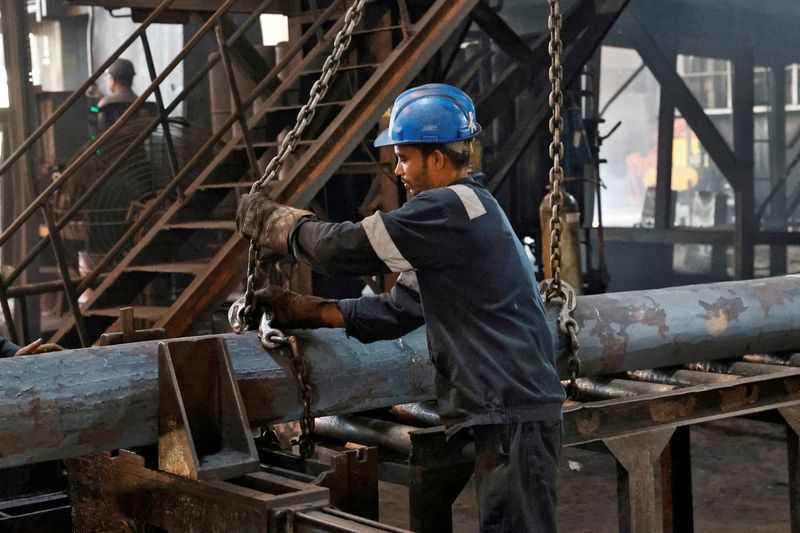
367	431
678	377
417	413
73	402
617	388
738	368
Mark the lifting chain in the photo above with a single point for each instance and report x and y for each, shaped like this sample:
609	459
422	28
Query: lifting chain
244	313
272	338
556	287
304	117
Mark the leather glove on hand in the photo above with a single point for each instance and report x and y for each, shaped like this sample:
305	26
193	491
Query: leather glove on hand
290	310
268	222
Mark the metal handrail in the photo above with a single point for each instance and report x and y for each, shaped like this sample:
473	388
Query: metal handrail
76	205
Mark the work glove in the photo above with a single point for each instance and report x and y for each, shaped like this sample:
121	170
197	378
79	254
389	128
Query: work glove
268	222
290	310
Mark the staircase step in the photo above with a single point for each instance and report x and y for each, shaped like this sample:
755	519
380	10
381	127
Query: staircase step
203	224
149	313
186	267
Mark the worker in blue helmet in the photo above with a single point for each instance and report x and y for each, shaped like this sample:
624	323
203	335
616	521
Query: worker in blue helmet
465	276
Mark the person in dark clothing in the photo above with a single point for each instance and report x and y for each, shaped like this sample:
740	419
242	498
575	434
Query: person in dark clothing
465	276
9	349
120	81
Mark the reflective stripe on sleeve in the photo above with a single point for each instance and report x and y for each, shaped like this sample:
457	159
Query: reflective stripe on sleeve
471	202
382	243
409	279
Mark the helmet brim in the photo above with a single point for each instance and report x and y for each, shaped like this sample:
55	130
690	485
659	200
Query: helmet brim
383	139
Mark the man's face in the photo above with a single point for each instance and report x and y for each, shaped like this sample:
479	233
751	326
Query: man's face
412	167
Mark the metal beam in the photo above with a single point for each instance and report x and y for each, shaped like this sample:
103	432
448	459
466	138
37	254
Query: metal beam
505	37
576	56
73	402
743	147
664	71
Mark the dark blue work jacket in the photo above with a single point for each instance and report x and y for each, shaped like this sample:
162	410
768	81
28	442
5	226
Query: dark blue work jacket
464	275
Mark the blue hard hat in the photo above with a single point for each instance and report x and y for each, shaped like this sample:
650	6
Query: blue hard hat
432	113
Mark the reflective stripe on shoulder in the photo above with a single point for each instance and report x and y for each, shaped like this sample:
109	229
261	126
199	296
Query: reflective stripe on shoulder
470	199
409	279
382	243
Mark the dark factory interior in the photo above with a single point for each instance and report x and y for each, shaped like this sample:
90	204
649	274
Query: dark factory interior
638	159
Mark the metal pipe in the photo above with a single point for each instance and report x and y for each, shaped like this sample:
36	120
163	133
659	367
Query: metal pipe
681	325
617	388
367	431
70	403
421	413
678	377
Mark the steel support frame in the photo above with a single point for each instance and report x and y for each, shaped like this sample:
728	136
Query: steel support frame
590	21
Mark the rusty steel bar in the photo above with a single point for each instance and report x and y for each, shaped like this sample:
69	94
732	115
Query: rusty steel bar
367	431
738	368
680	325
70	403
600	388
420	413
678	377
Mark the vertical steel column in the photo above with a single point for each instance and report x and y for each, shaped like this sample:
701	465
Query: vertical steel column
172	158
666	134
237	100
636	485
776	219
60	254
676	483
744	230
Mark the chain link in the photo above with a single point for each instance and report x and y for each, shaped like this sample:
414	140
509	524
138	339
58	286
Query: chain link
556	287
275	339
300	366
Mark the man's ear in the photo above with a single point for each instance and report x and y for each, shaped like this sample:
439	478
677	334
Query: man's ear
438	159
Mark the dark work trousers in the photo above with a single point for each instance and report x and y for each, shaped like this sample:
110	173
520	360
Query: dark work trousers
516	468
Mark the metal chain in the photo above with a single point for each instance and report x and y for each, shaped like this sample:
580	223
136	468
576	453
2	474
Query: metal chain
272	339
304	117
556	287
556	99
340	44
300	367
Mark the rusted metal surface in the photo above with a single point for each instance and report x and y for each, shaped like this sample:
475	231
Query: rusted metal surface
365	430
70	403
680	325
612	418
420	413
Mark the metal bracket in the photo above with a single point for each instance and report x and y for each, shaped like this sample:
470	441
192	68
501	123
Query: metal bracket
203	429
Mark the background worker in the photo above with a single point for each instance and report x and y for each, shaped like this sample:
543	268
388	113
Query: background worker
464	275
120	81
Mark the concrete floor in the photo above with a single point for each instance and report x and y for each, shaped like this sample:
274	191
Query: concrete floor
740	484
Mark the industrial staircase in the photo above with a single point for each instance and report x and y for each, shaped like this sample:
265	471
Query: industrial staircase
182	256
193	252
